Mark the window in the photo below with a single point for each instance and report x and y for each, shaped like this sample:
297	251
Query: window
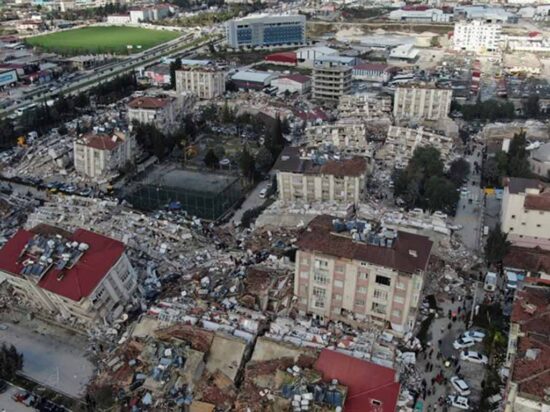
305	261
400	285
319	295
340	268
399	299
379	308
362	289
383	280
304	274
364	264
363	276
337	297
321	264
396	313
338	284
380	294
538	224
359	302
513	216
320	277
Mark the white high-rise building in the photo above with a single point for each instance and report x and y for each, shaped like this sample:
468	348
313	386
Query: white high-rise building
419	101
476	36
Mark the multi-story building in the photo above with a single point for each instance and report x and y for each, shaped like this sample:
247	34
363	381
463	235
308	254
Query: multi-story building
161	112
346	135
314	179
476	36
266	30
82	275
421	102
528	354
525	212
372	72
98	155
539	160
344	269
330	81
207	82
401	143
364	106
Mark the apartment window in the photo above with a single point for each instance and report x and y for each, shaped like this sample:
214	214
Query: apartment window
399	299
362	289
321	264
319	296
538	225
383	280
379	308
364	264
305	261
338	284
304	274
359	302
320	277
396	313
522	223
400	285
340	268
337	297
380	294
363	276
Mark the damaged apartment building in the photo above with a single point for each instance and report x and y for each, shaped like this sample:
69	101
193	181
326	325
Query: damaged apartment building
347	136
81	275
363	106
311	177
401	142
347	269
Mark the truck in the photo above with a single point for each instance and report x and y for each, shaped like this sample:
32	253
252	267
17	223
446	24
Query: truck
490	284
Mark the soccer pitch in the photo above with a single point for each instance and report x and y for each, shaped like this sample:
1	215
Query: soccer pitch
102	39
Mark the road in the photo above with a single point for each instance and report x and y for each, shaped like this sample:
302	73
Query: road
468	214
253	200
49	360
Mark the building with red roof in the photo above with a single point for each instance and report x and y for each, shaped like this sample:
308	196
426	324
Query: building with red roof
82	275
371	387
282	58
292	83
528	355
98	155
158	111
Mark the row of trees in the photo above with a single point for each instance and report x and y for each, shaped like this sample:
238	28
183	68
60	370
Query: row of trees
514	163
488	110
424	184
10	361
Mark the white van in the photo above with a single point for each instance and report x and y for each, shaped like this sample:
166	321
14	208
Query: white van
511	280
490	284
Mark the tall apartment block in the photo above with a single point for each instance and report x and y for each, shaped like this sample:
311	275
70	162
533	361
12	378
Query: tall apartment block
266	30
346	270
422	102
476	36
330	81
206	82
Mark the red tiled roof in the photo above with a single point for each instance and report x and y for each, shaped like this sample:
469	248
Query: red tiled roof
300	78
285	57
529	259
101	141
147	102
366	382
80	280
319	237
538	202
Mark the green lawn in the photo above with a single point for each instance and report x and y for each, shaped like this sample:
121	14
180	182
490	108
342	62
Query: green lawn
107	39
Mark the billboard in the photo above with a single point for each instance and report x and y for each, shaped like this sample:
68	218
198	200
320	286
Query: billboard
7	77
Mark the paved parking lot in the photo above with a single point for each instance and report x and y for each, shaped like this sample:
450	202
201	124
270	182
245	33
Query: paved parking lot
8	405
49	360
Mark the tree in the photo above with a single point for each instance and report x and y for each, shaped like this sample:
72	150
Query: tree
518	163
219	151
175	65
210	159
427	161
10	361
264	159
497	246
246	164
459	171
440	194
227	114
532	108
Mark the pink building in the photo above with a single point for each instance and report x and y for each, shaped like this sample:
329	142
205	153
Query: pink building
346	270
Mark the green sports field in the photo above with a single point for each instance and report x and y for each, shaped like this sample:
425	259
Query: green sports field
104	39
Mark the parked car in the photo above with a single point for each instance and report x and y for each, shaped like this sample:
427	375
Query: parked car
3	326
474	357
475	335
20	396
3	386
263	193
458	401
463	343
460	386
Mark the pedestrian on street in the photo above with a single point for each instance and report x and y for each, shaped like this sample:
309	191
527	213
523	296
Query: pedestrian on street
431	352
457	369
433	380
453	300
439	341
431	367
458	309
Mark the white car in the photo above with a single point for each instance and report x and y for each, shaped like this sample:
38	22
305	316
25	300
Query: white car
3	326
474	357
463	343
263	193
464	192
459	402
475	335
460	386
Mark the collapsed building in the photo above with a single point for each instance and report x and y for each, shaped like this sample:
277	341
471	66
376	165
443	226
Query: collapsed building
348	136
364	106
401	143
